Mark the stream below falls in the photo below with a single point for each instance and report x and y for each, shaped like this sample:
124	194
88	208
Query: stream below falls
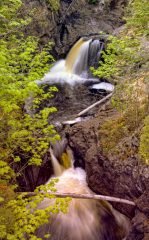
86	219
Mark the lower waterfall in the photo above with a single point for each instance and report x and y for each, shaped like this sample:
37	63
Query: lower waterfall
86	219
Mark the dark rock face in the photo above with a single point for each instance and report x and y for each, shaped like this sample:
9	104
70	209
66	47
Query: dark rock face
33	176
109	175
74	19
140	227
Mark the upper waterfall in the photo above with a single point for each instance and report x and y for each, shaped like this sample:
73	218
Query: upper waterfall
74	69
77	59
95	49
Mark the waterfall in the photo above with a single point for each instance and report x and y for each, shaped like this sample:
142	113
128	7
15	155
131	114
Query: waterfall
95	49
72	55
58	169
72	70
86	219
77	59
75	68
73	78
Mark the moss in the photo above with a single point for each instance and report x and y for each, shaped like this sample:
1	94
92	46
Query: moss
144	141
111	132
54	4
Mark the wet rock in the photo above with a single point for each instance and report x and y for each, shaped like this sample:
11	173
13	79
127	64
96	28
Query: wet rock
33	176
43	20
140	227
143	202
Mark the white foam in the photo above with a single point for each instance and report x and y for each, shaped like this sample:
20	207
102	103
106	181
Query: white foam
103	86
59	73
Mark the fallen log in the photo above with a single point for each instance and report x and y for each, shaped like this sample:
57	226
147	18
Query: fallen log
76	120
83	196
94	105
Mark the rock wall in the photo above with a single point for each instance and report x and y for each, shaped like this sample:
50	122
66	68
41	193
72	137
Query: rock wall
74	19
110	175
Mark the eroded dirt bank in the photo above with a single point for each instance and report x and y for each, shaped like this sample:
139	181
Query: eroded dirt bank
120	175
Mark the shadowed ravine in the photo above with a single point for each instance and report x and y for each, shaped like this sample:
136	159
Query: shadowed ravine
86	219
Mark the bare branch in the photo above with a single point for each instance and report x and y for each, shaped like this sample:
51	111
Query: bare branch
85	196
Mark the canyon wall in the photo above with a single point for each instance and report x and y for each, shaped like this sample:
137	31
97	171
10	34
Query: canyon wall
75	18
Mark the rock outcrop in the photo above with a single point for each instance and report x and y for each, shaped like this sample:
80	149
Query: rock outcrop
74	19
110	175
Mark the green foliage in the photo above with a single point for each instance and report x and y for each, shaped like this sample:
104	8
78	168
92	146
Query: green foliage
34	133
120	57
123	53
144	141
24	138
138	16
21	64
54	4
10	21
22	216
125	63
131	100
111	132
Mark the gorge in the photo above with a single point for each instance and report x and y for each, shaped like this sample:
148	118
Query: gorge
127	178
88	61
82	139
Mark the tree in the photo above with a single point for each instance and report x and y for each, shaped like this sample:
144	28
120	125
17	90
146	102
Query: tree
24	138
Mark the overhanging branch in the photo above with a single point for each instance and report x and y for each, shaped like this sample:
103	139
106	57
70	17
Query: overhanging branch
84	196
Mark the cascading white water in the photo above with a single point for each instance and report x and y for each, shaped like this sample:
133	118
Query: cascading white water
72	70
72	77
94	52
80	65
86	219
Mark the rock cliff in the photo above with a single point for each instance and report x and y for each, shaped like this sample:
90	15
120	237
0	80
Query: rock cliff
120	175
75	18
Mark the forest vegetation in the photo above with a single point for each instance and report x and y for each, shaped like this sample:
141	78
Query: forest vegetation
25	133
24	138
126	64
